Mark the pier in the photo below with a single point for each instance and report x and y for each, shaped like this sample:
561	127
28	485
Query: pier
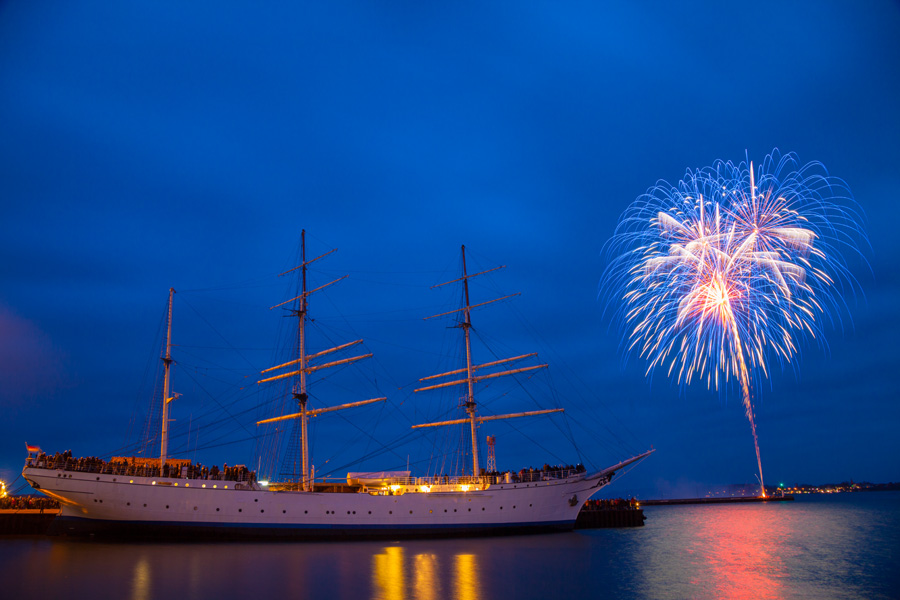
728	500
26	521
599	514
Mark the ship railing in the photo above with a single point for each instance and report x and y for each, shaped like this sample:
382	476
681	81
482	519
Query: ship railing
93	464
490	479
436	480
548	475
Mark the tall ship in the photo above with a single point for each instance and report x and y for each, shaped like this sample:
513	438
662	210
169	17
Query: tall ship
166	497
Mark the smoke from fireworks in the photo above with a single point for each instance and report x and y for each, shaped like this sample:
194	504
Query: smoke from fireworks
734	266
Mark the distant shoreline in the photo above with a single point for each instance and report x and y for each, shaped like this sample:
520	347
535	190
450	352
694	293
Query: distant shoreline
729	500
771	498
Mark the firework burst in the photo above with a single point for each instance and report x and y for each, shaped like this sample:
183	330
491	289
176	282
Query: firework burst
714	278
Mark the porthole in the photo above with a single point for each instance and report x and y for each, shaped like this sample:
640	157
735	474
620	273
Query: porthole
370	512
430	511
167	506
145	506
390	512
195	508
239	510
454	510
262	510
482	508
98	479
410	512
284	512
445	510
305	512
217	510
354	512
128	504
256	499
470	510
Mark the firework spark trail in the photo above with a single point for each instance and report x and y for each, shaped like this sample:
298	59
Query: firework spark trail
714	277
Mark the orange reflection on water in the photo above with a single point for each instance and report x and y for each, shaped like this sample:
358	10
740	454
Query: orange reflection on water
467	584
388	580
391	571
428	586
737	551
140	583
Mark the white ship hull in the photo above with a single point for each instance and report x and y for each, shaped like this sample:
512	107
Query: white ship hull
116	504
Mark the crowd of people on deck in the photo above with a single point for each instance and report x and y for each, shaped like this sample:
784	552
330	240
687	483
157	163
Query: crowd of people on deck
185	469
531	474
548	472
142	467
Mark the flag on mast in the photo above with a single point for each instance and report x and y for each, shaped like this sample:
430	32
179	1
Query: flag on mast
31	449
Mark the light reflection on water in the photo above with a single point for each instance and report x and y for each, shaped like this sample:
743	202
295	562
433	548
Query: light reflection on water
467	586
141	584
428	585
740	552
815	547
812	548
398	577
388	575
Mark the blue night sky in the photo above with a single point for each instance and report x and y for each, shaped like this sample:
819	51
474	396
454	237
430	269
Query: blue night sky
153	145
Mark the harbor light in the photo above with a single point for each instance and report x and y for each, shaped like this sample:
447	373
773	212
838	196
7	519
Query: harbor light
263	483
2	489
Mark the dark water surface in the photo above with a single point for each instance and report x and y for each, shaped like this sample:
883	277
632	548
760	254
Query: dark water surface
838	546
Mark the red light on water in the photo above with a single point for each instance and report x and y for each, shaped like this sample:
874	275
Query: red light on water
738	551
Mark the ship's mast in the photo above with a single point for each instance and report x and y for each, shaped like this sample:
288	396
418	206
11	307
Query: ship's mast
300	386
470	370
470	377
302	361
167	360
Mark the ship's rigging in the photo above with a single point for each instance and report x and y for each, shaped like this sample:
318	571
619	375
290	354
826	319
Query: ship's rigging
300	309
288	441
471	378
